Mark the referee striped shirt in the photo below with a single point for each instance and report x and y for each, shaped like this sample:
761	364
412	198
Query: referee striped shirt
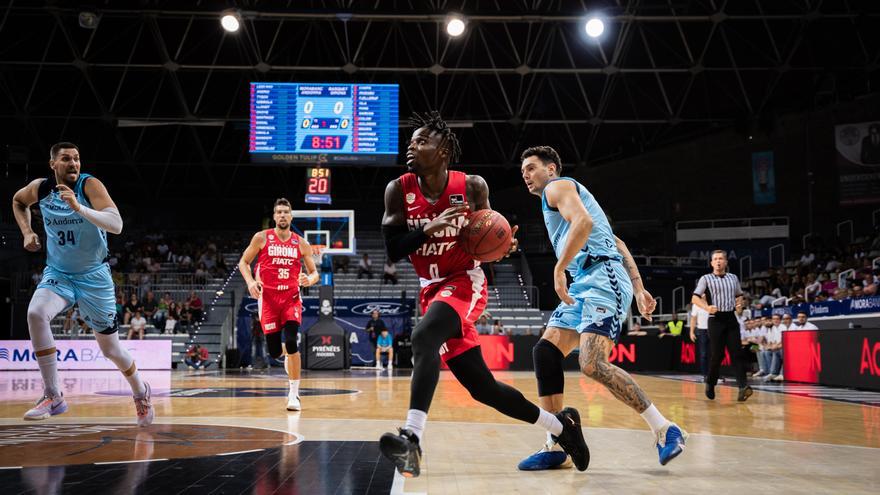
722	290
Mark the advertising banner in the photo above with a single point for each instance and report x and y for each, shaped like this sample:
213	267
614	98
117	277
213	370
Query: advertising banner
86	355
353	314
858	162
844	357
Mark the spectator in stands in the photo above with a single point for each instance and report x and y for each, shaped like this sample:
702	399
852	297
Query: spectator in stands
786	322
365	267
150	306
172	318
773	349
186	319
802	323
201	274
73	322
384	344
138	325
499	329
813	287
699	333
869	284
483	326
840	294
374	327
162	311
195	306
764	355
340	263
197	357
390	275
673	327
856	291
636	330
807	258
131	307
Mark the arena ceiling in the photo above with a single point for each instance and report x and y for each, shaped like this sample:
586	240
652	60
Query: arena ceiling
159	85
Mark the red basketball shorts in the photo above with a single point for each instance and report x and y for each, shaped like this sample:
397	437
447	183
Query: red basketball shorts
466	294
277	308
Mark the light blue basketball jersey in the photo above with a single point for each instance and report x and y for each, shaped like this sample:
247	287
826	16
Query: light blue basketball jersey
599	245
73	244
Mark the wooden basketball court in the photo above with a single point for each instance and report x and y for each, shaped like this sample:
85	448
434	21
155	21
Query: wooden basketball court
228	432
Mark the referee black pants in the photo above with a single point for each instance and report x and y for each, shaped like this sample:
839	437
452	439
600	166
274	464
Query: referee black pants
724	332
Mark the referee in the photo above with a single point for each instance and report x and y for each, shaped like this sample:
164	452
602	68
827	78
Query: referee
723	293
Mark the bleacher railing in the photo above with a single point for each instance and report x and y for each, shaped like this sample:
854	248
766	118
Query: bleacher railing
163	281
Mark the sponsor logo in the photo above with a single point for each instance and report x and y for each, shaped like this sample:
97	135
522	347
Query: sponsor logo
600	310
867	303
411	208
269	326
870	362
819	310
449	287
326	350
384	308
326	339
445	293
623	353
4	353
410	198
456	199
271	237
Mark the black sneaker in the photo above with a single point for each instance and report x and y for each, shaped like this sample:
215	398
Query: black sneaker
744	393
572	438
403	450
710	391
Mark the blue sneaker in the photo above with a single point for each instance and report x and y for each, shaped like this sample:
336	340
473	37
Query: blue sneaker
551	456
670	442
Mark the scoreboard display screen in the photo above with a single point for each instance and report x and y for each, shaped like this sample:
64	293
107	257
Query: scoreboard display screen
311	123
318	186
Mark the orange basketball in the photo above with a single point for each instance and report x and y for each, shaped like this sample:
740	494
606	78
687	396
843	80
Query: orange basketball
485	236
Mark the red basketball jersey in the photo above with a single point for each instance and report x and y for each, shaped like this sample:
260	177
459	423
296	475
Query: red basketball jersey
440	256
279	263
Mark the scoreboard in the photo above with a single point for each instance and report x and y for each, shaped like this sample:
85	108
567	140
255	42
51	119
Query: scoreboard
318	186
323	123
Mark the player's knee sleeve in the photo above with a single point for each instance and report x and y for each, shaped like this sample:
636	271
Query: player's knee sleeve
44	305
291	329
548	368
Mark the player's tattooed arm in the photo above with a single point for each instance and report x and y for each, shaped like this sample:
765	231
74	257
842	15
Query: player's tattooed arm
594	362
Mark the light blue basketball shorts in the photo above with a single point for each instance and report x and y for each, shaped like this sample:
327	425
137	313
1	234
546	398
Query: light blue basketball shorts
93	291
602	294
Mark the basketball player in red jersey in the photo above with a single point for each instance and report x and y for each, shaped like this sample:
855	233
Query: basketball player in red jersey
424	210
280	255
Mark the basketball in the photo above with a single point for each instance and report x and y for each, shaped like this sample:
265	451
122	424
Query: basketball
486	236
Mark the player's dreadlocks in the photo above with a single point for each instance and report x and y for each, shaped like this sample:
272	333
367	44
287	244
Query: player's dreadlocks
433	121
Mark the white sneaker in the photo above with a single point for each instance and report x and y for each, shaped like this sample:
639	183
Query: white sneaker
759	374
390	366
293	403
779	378
767	378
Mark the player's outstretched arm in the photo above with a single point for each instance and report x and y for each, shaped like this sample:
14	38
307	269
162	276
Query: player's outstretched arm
563	196
105	215
21	210
255	288
311	276
399	242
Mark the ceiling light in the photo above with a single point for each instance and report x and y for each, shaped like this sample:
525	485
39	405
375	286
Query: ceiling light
595	27
230	22
455	27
